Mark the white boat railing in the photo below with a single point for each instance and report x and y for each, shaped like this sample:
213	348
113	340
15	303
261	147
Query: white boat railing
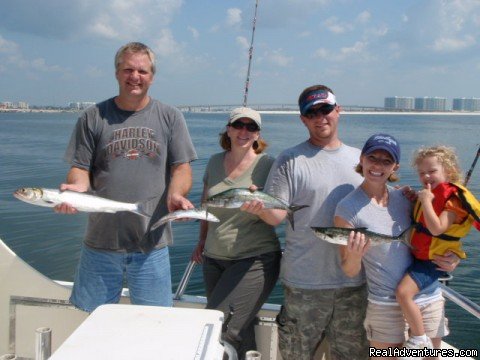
462	301
450	294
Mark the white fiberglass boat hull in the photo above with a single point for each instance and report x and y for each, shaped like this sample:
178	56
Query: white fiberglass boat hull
30	300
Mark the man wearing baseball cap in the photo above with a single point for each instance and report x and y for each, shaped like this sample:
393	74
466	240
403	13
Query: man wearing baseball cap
320	300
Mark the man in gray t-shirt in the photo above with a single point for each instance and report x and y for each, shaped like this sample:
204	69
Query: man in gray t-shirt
129	148
320	300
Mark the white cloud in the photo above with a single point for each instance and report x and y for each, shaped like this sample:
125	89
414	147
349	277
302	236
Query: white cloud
450	44
243	42
165	44
11	56
234	17
94	72
73	19
333	25
356	52
195	33
41	65
278	58
101	27
7	46
364	17
456	26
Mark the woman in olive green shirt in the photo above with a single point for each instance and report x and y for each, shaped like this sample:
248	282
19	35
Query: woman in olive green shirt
241	253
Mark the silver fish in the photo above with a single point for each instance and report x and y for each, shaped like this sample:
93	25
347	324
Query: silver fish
339	236
234	198
80	201
201	214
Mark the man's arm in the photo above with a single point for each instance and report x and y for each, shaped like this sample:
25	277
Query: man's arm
180	185
77	180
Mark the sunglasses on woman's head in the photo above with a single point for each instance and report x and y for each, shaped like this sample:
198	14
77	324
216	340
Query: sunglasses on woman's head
238	125
324	110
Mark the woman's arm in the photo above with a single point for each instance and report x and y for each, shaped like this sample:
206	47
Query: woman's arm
352	253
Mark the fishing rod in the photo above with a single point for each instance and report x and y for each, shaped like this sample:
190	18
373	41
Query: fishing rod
250	54
469	173
467	178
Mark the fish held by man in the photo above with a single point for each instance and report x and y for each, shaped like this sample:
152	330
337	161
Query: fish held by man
80	201
234	198
200	214
339	236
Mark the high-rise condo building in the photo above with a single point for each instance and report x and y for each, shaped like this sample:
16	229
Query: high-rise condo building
399	103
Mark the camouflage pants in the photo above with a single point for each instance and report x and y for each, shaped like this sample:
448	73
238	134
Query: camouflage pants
308	316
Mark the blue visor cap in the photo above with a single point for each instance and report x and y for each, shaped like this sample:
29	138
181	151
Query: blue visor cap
316	97
383	142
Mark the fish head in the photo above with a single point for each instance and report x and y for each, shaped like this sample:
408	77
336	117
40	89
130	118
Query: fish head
30	195
211	217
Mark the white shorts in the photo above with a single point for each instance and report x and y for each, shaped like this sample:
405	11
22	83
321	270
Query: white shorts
386	324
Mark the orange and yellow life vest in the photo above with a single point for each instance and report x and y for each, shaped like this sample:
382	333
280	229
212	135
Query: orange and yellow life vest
424	244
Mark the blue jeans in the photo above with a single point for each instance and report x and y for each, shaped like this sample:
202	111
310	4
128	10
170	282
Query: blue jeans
424	273
100	276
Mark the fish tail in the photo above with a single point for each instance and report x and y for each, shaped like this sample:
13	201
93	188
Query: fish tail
291	210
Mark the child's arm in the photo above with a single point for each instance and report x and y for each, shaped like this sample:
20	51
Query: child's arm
352	253
435	224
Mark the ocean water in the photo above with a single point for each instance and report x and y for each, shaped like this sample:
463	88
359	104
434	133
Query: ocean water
31	154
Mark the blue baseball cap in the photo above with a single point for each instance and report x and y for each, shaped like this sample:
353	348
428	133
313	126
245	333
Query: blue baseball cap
383	142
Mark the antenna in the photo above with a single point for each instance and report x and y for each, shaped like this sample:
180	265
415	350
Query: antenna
250	54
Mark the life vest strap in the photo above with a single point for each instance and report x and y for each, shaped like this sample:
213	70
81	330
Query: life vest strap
420	228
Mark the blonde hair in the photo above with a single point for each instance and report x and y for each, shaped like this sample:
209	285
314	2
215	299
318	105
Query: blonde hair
392	178
445	155
135	48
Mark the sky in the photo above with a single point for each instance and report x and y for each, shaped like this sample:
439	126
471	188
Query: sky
53	52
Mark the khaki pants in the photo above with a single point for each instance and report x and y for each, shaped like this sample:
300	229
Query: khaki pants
308	316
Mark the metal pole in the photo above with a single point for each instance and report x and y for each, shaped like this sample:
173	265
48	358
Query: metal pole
43	343
184	281
250	55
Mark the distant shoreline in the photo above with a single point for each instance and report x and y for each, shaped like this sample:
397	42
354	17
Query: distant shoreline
380	112
273	112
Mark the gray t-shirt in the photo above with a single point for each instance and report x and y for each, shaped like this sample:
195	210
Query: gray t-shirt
129	155
310	175
384	264
238	235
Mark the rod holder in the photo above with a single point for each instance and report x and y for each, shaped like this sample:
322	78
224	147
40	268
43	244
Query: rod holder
43	343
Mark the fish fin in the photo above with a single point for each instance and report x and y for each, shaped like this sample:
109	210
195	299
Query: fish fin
291	220
363	228
294	208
